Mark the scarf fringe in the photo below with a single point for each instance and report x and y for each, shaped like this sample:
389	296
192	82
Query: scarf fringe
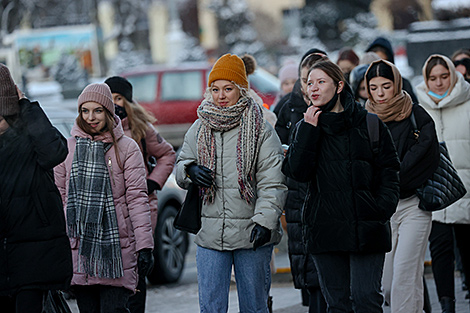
97	267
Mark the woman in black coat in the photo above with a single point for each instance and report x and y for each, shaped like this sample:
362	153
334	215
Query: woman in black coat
353	191
303	269
35	254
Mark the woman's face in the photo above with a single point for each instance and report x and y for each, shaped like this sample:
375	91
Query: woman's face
362	90
3	125
381	89
303	79
439	79
287	85
346	66
224	93
320	88
94	115
118	99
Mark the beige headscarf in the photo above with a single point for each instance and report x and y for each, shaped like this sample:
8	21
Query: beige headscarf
453	75
396	109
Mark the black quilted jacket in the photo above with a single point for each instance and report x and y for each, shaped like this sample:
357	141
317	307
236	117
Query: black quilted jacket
35	250
303	269
352	191
418	158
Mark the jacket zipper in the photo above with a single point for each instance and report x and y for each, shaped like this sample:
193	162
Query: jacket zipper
110	165
221	177
6	262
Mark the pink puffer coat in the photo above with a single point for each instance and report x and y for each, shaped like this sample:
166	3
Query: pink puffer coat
130	199
163	151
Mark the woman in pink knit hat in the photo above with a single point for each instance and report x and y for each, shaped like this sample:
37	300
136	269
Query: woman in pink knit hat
104	192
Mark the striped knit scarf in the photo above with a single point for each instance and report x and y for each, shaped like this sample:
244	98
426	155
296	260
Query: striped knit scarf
248	116
91	215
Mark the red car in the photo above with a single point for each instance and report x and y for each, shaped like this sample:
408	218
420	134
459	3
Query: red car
173	94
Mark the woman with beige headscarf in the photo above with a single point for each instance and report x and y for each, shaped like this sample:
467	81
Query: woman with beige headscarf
446	96
404	264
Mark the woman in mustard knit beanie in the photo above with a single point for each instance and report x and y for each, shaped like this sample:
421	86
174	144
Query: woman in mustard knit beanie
234	156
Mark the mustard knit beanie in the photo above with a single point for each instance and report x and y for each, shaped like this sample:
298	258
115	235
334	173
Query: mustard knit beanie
229	67
8	95
99	93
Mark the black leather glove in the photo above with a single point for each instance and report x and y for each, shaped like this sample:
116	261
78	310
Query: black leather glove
145	262
199	175
260	235
152	186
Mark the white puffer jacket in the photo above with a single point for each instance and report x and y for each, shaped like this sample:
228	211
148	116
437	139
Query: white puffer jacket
452	118
227	223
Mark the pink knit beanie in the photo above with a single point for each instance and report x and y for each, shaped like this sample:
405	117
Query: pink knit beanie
289	70
99	93
8	95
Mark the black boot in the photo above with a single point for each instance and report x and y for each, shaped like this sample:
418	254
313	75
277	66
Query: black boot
447	305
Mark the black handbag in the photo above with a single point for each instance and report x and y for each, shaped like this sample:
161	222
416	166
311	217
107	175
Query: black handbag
189	216
444	187
55	303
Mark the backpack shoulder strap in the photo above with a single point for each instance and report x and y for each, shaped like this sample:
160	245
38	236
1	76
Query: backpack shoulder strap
373	129
414	124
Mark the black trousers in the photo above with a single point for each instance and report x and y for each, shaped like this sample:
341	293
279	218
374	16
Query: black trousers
441	245
101	299
26	301
136	303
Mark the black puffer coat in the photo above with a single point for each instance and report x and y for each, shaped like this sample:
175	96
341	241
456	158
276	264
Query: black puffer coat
419	159
352	191
303	269
35	250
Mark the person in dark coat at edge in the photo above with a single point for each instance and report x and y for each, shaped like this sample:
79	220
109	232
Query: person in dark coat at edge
286	97
383	48
35	254
303	270
352	193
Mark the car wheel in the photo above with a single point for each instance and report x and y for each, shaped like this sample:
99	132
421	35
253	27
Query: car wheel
170	249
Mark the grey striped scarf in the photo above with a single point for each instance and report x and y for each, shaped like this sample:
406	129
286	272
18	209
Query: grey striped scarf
91	215
247	114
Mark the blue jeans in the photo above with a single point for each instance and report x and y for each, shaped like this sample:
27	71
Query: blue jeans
351	282
252	274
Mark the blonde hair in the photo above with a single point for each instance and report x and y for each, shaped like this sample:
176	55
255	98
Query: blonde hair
138	118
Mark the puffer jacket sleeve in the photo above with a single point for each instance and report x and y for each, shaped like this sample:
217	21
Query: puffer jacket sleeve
302	151
163	152
188	155
48	142
386	179
136	195
271	186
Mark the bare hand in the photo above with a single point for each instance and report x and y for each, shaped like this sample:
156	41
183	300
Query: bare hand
20	93
312	114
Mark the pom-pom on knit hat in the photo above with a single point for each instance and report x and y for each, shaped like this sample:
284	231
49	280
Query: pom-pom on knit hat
121	86
100	93
229	67
8	95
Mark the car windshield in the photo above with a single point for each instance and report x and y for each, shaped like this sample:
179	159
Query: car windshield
264	81
188	86
145	87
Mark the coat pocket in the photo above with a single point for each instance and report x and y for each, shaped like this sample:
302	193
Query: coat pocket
374	236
